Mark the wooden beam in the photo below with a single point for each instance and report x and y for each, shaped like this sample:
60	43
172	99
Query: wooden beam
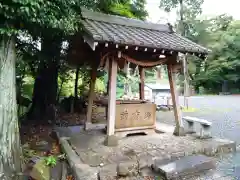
179	130
90	42
91	97
142	83
112	86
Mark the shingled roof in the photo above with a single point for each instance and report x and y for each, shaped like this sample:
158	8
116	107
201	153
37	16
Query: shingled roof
104	28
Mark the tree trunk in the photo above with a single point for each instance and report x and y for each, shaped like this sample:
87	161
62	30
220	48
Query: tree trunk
10	150
46	82
197	89
76	88
185	65
60	89
44	93
182	23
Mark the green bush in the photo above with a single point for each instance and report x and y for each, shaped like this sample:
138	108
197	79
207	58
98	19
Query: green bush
235	91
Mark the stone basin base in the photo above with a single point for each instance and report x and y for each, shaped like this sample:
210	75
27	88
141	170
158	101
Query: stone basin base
87	155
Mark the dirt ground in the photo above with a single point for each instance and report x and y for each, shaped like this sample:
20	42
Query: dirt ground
41	141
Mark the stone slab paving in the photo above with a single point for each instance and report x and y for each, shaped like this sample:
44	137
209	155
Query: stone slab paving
89	146
142	149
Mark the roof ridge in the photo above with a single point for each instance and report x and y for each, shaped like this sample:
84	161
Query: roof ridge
120	20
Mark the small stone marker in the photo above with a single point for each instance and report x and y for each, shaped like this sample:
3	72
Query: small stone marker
185	166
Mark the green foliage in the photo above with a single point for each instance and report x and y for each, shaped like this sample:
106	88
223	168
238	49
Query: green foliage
138	9
187	10
41	20
31	15
51	161
122	9
191	8
221	35
120	92
126	8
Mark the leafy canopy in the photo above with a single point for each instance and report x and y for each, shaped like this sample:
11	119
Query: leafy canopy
28	14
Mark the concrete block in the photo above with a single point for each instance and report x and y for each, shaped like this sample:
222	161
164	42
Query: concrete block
205	131
189	127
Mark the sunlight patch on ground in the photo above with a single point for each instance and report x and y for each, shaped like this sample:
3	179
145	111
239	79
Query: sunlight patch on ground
208	110
189	109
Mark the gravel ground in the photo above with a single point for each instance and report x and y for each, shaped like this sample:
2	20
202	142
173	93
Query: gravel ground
223	112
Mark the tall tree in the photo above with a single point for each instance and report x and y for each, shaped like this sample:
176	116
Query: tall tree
32	17
51	38
10	162
223	64
187	11
220	34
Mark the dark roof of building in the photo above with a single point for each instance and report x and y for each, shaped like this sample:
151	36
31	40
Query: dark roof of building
104	28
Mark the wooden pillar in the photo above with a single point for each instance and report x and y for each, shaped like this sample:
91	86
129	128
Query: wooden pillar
112	86
179	130
91	97
106	108
111	140
142	83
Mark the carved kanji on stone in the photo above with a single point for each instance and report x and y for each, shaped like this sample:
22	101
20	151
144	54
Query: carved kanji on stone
124	115
147	115
136	115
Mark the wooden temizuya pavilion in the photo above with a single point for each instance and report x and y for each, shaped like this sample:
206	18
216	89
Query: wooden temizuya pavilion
113	41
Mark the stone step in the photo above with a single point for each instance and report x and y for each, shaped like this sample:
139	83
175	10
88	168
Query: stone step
184	166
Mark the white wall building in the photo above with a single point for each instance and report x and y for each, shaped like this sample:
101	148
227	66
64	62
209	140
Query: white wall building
158	93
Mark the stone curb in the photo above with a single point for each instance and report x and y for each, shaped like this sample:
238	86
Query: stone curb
81	171
64	171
